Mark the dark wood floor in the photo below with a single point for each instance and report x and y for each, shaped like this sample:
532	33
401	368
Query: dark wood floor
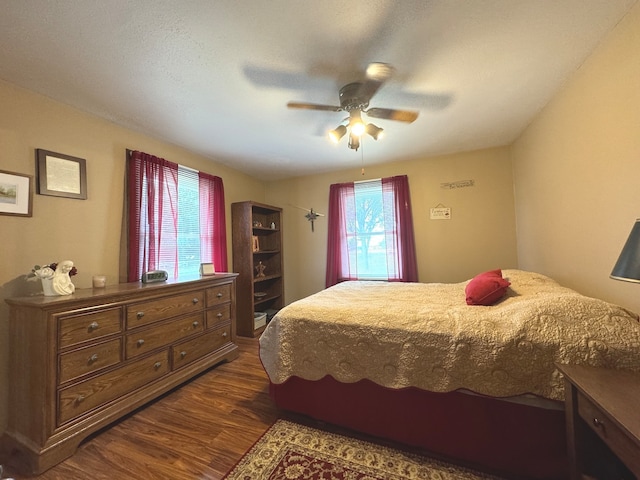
198	431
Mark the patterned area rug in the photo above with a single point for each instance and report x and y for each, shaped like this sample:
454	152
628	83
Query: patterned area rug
289	451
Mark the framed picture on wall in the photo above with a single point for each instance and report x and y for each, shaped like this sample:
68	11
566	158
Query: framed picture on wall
16	194
61	175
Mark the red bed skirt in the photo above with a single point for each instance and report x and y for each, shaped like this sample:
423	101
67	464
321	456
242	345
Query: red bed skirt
515	440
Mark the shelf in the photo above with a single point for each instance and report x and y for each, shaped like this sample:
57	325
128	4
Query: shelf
265	278
269	242
258	301
265	229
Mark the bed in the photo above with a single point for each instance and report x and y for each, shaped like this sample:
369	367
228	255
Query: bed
413	363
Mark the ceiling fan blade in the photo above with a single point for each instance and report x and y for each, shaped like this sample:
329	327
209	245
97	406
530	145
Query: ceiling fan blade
407	116
314	106
376	75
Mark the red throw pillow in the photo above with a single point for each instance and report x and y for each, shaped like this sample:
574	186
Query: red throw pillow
486	288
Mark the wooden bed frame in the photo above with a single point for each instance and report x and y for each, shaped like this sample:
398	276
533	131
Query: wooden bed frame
510	439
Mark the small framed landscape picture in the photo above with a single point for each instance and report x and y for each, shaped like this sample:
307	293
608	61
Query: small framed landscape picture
16	194
61	175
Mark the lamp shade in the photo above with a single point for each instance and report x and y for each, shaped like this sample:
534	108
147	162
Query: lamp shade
627	267
375	131
354	142
338	133
356	125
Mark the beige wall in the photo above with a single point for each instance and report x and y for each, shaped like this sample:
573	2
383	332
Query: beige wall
577	172
85	231
480	234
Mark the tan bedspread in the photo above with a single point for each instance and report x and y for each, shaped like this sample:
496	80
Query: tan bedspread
426	336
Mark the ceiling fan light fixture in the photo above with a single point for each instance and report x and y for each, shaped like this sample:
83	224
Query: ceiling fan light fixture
356	124
354	99
338	133
354	142
357	128
374	131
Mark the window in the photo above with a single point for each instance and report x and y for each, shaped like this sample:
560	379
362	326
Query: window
365	234
371	232
176	218
188	224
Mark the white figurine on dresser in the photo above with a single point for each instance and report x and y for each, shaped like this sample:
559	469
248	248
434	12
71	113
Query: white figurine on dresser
61	281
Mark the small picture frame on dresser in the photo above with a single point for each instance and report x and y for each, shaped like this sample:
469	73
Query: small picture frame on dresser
207	269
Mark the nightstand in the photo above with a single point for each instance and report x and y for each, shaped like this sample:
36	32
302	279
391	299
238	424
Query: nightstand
603	422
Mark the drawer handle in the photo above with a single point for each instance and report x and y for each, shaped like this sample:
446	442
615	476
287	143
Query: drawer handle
195	324
93	358
79	399
93	326
140	342
219	295
219	315
183	354
224	334
140	314
195	300
157	365
598	423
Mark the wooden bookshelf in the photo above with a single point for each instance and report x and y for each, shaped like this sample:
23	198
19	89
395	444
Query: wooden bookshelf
257	241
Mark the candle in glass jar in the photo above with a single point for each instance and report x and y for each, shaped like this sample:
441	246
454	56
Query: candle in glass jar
99	281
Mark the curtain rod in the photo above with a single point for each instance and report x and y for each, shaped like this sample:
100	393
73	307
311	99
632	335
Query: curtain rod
370	180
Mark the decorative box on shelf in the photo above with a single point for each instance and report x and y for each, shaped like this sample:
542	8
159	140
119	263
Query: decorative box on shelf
259	319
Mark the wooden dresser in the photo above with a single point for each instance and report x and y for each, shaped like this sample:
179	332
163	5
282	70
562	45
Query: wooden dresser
79	362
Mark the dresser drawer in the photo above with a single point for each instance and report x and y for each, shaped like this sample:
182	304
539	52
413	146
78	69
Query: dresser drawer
148	339
80	398
89	359
610	433
187	352
218	294
88	326
161	308
218	315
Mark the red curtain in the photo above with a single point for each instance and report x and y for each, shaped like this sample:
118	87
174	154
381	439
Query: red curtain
213	234
153	217
153	214
400	240
399	237
341	201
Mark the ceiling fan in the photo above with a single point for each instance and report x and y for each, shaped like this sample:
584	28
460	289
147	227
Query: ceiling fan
354	99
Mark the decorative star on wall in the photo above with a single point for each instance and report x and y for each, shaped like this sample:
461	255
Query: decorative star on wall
311	215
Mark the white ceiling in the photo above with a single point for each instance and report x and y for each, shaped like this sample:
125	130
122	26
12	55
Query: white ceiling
215	76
